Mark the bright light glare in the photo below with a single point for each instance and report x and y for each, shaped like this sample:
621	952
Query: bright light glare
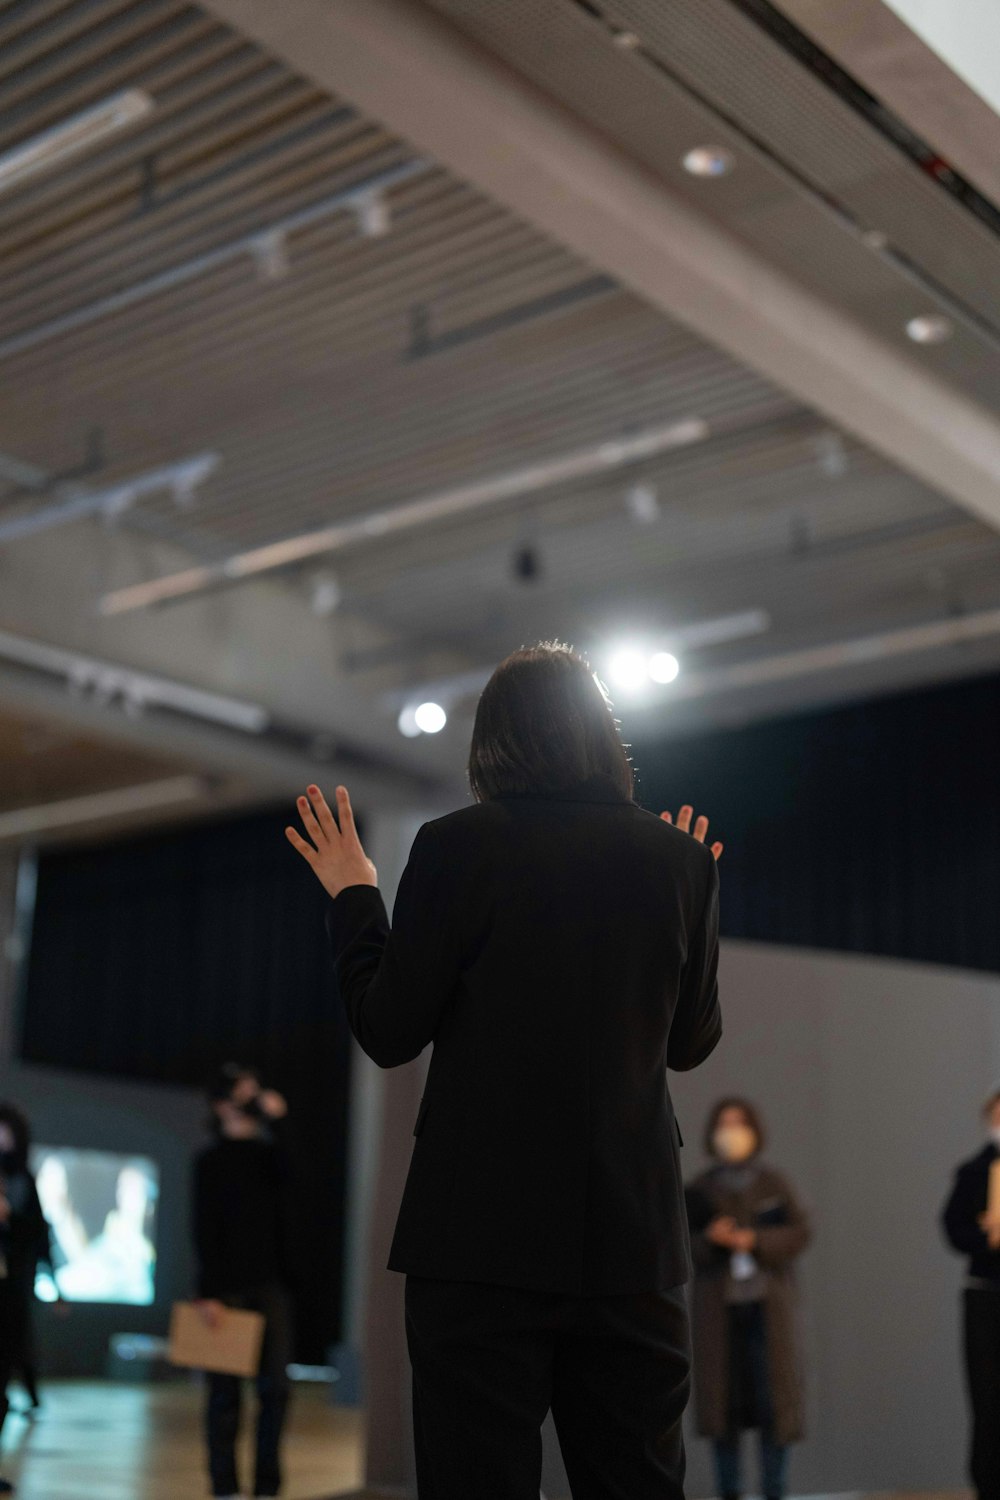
629	669
430	718
407	722
663	667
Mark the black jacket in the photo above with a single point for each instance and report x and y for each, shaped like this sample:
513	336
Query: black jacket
966	1201
561	954
239	1215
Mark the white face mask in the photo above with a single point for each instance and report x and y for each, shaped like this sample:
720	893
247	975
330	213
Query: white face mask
735	1143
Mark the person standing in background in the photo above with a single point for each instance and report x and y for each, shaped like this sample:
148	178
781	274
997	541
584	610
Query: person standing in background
240	1188
747	1230
23	1241
971	1220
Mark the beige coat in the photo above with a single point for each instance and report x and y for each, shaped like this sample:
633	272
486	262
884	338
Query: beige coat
768	1205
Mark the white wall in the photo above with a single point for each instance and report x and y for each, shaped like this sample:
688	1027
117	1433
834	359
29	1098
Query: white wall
871	1074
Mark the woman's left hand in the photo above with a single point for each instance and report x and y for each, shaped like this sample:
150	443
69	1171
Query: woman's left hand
335	855
699	831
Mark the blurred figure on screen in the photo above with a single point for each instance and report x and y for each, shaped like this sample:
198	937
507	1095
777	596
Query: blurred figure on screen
23	1242
118	1264
747	1229
240	1243
971	1221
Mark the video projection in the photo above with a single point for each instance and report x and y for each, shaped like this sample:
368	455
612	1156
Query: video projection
101	1212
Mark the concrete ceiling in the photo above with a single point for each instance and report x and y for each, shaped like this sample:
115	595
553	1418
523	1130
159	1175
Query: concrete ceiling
550	279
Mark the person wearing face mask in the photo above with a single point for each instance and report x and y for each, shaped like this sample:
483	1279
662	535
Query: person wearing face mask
747	1229
971	1220
240	1205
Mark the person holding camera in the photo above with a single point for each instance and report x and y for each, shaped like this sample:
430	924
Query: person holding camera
240	1185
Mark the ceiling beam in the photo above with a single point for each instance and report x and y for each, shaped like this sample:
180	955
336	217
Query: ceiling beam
402	65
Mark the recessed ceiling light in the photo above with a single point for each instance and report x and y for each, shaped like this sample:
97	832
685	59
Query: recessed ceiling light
708	161
626	39
930	328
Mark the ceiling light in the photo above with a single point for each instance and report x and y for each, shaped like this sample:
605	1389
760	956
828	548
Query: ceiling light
629	669
663	666
270	251
430	718
627	40
373	214
80	133
326	595
407	721
643	504
708	161
930	328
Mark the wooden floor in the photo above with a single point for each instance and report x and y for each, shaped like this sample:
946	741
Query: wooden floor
97	1441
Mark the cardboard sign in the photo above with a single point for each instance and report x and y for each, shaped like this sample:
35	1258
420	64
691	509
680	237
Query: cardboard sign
232	1348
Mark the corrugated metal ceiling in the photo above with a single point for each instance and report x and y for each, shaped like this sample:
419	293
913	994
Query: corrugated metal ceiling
314	387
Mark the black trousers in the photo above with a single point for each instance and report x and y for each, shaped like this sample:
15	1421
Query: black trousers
982	1368
489	1362
10	1327
224	1400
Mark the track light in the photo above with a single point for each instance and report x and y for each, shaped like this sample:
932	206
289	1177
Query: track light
430	718
663	666
708	161
325	595
643	504
373	214
930	328
629	669
270	251
80	133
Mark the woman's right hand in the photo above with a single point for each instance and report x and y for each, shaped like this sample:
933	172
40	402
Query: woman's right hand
700	830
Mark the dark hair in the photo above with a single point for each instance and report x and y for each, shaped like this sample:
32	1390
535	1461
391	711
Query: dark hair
20	1130
544	723
750	1113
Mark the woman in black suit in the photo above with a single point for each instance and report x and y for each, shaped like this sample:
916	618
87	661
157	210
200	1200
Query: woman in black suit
558	945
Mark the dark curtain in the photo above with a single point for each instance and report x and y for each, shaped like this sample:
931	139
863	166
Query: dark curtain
872	829
158	957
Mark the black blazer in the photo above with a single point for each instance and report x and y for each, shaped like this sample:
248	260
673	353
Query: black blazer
560	952
960	1216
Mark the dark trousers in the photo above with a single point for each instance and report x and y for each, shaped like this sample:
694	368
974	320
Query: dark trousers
982	1368
489	1362
750	1405
9	1341
224	1399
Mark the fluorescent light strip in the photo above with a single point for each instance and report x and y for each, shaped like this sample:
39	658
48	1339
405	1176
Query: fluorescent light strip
173	791
462	500
80	133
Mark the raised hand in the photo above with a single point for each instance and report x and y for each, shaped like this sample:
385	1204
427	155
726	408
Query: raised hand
700	830
335	855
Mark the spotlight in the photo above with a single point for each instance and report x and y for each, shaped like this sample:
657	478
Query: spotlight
407	722
930	328
430	718
629	669
708	161
663	666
